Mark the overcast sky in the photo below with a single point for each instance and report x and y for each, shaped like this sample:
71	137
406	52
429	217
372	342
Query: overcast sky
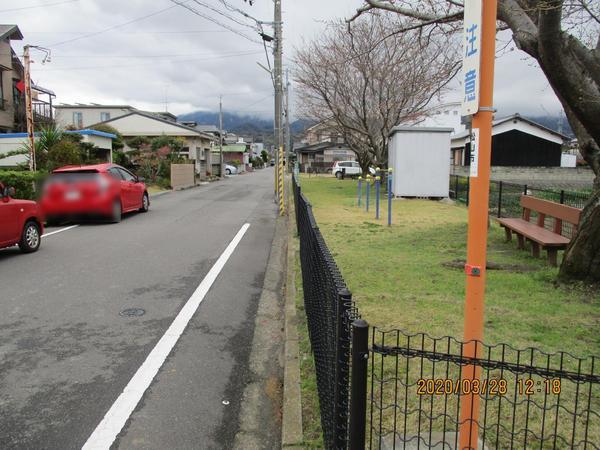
145	53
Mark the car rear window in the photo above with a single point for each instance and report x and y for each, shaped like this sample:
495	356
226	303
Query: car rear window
73	176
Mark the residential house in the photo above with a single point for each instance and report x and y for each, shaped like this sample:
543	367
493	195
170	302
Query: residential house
15	141
444	115
11	72
235	154
12	88
197	145
81	115
323	145
516	141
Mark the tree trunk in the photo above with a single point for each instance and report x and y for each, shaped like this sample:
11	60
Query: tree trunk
582	257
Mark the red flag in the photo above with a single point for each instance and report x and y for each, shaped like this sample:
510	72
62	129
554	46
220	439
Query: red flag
20	86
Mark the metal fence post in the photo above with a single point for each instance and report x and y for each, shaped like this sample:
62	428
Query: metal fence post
389	197
377	195
562	196
468	188
368	191
342	368
524	189
358	396
359	195
500	199
456	186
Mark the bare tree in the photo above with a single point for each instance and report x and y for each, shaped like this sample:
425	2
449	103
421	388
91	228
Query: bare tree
366	89
564	38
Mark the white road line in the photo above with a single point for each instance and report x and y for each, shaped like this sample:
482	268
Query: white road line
59	231
106	432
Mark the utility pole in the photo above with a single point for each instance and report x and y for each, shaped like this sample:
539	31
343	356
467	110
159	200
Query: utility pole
288	136
221	171
29	108
278	75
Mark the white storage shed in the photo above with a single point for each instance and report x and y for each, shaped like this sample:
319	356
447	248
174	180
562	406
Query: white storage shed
420	159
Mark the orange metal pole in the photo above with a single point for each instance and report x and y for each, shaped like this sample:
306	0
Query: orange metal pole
478	226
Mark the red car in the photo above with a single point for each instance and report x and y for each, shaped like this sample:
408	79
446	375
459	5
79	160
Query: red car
101	190
20	222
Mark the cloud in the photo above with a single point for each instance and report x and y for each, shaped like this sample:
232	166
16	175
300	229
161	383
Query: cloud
188	61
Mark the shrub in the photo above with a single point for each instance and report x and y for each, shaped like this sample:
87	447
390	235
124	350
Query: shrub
63	153
265	156
23	182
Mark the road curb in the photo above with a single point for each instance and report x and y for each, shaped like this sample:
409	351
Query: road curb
262	398
291	429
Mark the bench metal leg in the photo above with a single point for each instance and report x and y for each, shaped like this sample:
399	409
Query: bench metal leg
521	239
553	257
535	249
508	234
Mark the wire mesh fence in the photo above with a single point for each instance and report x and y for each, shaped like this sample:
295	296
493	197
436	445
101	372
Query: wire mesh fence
527	398
330	313
410	391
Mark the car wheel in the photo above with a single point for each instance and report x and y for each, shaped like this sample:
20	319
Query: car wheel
228	172
30	239
145	203
117	212
338	175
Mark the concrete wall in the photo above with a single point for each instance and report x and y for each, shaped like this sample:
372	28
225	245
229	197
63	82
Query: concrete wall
538	176
182	176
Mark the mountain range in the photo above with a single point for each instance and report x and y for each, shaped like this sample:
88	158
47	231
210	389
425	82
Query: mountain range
249	126
260	129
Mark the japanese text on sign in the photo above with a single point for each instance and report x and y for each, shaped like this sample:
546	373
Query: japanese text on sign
471	57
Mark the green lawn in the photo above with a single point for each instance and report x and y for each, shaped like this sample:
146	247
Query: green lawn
400	279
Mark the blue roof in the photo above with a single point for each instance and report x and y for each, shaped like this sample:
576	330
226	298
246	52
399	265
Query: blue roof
94	133
87	132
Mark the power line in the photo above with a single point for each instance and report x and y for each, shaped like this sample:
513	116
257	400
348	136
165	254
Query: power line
154	56
215	21
118	66
96	33
38	6
130	32
224	14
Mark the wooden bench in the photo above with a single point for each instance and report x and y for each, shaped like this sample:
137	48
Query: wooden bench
539	236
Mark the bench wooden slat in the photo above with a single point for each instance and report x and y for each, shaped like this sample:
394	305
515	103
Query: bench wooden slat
535	233
548	208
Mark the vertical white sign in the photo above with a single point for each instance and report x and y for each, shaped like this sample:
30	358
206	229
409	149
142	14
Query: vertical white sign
474	152
471	57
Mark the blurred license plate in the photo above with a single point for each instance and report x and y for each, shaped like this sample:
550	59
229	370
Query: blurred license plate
72	195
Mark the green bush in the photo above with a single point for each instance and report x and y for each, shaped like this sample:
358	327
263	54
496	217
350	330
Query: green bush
23	182
64	153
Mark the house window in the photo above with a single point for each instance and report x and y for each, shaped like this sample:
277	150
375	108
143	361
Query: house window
104	116
78	119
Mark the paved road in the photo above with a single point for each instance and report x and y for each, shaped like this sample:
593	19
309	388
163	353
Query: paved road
66	354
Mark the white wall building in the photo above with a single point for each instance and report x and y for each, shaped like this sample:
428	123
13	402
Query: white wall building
197	145
445	115
15	141
81	115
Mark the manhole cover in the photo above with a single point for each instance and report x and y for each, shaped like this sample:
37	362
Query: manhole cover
132	312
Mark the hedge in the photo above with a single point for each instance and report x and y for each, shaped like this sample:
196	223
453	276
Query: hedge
23	182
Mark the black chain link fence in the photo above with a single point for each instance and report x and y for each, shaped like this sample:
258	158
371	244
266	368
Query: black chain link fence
330	313
527	398
410	391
